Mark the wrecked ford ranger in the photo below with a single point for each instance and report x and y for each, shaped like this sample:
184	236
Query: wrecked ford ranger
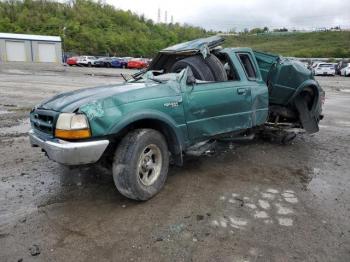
192	93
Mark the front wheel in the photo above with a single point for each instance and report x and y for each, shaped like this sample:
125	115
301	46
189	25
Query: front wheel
140	165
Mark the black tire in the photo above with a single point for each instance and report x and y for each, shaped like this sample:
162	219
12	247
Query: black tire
216	68
126	172
199	68
89	64
108	65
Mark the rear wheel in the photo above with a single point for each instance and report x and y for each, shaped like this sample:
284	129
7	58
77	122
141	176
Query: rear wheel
200	69
140	165
216	68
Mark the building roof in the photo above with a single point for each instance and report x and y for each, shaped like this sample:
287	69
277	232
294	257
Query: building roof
30	37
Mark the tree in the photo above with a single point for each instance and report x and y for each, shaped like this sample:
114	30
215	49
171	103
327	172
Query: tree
92	27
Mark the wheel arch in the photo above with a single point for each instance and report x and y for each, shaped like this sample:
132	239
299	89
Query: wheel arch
311	87
157	121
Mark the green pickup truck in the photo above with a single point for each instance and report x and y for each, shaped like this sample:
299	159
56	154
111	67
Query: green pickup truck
191	94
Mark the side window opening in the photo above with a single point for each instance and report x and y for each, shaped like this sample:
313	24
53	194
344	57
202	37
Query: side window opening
248	66
230	69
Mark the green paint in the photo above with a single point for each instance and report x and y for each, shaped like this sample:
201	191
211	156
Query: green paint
196	112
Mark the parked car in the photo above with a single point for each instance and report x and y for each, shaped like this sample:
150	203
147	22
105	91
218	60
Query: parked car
340	66
87	61
190	95
119	63
324	69
72	61
137	63
345	71
104	62
100	62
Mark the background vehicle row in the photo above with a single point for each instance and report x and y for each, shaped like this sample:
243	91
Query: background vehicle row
116	62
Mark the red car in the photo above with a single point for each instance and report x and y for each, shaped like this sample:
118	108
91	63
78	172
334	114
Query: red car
72	61
137	63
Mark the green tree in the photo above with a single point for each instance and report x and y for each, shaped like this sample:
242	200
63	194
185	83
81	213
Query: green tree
89	27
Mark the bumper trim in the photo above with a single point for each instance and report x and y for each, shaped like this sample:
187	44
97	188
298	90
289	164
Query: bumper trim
70	153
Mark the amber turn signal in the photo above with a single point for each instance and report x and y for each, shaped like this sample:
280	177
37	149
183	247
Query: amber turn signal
73	134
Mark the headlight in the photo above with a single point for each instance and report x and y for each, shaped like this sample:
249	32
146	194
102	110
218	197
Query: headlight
72	126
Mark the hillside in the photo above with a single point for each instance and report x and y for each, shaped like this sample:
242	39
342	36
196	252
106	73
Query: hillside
89	27
315	44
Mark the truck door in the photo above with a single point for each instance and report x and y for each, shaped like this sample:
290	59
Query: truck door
213	108
258	89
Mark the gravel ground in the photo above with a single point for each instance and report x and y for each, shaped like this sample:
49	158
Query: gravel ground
254	201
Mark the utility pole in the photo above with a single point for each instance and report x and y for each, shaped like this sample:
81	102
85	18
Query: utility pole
158	21
166	17
172	19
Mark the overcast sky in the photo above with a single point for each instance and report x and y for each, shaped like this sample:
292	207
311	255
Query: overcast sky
240	14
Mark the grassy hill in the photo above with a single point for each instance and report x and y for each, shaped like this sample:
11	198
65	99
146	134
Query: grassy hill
315	44
89	27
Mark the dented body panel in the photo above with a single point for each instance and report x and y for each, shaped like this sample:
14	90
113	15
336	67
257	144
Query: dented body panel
286	78
188	112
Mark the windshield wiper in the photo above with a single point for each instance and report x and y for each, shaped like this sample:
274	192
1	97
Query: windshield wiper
156	80
138	75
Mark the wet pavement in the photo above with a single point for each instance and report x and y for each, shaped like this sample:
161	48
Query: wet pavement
254	201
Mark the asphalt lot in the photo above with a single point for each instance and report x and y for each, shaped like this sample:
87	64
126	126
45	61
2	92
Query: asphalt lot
255	201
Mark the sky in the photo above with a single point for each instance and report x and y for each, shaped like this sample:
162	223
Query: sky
239	14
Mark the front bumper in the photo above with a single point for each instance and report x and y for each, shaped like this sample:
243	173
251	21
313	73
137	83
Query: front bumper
70	153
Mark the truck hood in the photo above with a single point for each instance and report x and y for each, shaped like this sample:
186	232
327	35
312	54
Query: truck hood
120	93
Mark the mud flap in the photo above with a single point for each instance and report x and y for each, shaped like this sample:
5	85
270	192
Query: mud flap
307	118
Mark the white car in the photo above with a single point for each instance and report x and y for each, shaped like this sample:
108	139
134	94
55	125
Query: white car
324	69
345	71
86	60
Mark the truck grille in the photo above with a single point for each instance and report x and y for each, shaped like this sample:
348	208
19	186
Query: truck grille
43	120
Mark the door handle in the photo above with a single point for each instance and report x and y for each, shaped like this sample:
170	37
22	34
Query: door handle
241	91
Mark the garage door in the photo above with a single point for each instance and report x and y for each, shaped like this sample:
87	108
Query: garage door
47	53
15	51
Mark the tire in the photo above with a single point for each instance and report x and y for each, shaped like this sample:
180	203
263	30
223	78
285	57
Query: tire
199	68
108	65
132	178
124	66
89	64
216	68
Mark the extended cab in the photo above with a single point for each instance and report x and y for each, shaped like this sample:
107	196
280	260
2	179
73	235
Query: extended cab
191	93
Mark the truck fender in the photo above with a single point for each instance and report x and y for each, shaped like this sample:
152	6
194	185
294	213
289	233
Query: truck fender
308	83
171	130
306	115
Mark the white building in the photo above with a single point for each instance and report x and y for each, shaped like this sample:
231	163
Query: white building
30	48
